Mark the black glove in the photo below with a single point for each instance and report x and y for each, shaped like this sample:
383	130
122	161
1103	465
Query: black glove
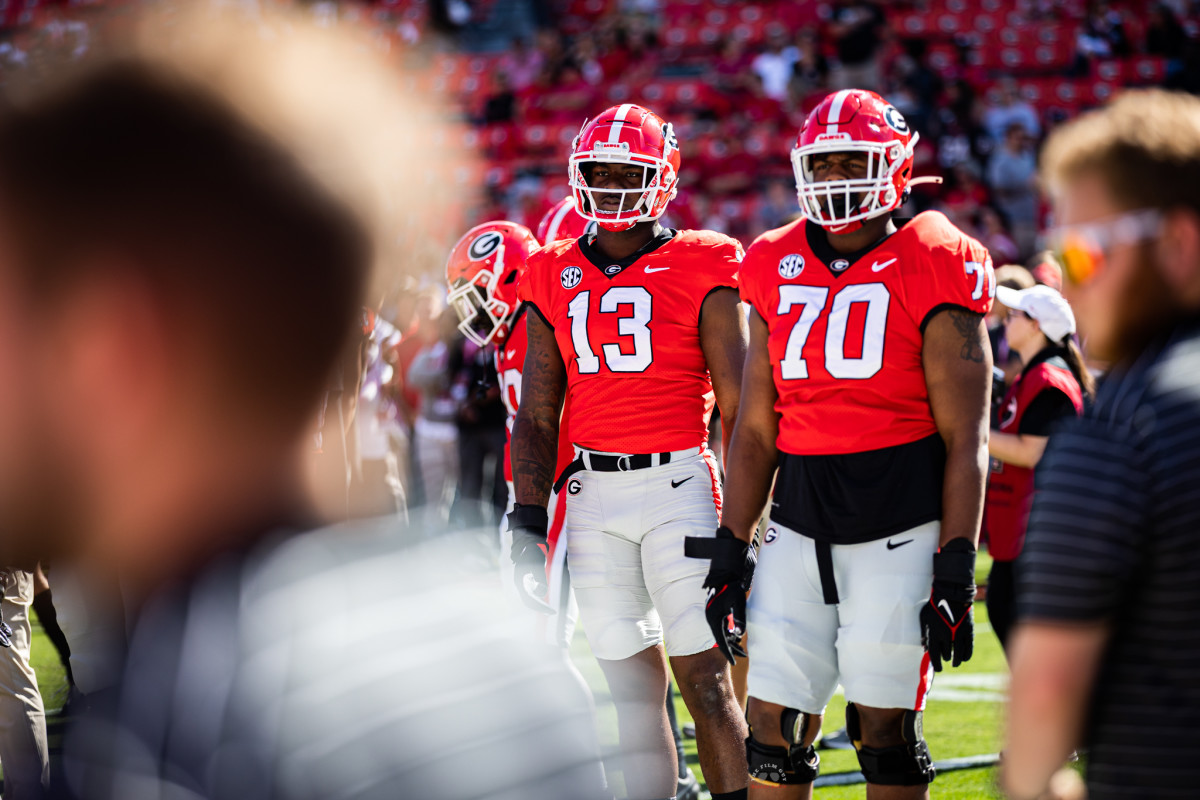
528	525
729	575
947	620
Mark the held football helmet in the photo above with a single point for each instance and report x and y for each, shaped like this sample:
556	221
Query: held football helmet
626	134
563	222
854	120
482	273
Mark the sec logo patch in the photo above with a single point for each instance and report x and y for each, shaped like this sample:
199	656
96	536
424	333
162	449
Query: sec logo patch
791	266
571	276
770	536
574	486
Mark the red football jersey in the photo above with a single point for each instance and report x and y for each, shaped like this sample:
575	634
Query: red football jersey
510	359
629	334
845	336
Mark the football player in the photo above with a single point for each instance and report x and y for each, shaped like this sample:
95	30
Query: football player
640	327
562	221
482	274
866	401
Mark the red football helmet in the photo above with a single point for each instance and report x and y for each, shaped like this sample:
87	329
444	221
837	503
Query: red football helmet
563	222
854	120
626	134
482	273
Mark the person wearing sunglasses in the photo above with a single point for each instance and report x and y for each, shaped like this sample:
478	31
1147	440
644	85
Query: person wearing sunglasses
1105	654
1052	384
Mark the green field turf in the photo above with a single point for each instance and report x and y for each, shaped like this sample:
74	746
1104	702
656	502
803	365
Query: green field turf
953	728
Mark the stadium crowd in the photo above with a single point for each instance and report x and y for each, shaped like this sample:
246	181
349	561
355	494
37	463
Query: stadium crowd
416	421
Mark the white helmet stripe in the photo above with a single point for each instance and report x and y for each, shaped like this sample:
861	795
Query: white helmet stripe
614	133
835	109
557	220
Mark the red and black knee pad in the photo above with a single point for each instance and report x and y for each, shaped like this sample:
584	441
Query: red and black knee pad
907	764
784	766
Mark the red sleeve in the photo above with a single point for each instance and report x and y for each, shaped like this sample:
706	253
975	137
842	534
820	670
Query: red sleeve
954	271
532	289
751	284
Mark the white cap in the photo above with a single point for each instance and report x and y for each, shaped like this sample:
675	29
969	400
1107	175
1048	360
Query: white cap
1044	304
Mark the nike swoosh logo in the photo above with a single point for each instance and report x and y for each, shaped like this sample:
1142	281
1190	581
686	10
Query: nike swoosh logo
891	546
510	355
942	604
879	266
655	269
677	484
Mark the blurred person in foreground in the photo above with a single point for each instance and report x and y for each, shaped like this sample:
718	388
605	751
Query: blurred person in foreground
1051	386
170	253
1105	655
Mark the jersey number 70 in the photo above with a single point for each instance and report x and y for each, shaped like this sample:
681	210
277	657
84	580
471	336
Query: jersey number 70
813	299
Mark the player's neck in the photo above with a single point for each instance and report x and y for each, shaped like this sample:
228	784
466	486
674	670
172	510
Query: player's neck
619	245
871	232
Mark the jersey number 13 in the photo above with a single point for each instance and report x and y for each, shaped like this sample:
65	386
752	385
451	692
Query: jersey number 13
635	326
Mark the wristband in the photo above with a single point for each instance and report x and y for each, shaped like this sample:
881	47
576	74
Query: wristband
529	518
954	562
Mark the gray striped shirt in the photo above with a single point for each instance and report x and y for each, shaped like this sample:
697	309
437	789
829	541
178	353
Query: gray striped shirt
1114	537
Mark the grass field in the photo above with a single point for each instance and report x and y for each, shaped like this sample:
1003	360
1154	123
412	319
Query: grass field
963	716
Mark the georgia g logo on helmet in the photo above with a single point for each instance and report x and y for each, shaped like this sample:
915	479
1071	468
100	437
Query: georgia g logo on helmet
484	245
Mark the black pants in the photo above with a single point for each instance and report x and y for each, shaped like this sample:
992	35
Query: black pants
1002	599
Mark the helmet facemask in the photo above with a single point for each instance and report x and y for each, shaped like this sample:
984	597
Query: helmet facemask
483	316
841	205
644	203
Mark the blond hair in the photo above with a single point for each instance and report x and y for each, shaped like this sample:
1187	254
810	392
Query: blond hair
1145	146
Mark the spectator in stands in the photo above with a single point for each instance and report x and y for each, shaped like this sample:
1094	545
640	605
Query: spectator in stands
989	229
1012	177
779	205
811	71
733	172
731	68
856	26
501	104
775	65
1008	109
584	56
1046	270
965	195
1053	384
522	64
1105	654
1164	35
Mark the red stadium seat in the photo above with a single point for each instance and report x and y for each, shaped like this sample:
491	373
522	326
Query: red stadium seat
1146	69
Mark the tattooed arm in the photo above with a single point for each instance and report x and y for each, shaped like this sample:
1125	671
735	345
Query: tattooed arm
534	443
958	377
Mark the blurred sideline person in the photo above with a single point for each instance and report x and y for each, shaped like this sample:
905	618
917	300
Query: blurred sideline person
1105	654
483	272
1053	385
641	328
866	389
24	754
167	253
